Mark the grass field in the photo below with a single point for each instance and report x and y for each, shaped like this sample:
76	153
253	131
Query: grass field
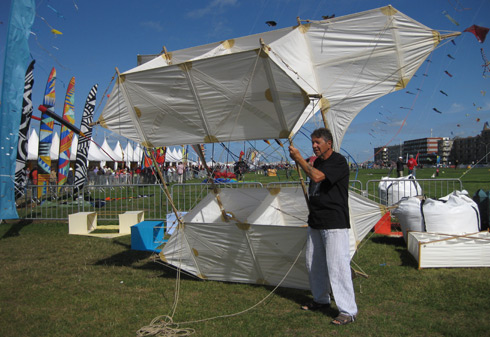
55	284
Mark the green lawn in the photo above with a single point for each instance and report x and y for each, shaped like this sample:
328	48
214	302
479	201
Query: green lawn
55	284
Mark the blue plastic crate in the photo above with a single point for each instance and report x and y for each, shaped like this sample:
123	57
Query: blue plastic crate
147	236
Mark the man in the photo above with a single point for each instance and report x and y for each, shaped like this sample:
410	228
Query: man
411	165
327	248
399	167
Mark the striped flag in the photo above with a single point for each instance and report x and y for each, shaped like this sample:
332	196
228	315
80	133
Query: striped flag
25	122
46	136
66	134
84	141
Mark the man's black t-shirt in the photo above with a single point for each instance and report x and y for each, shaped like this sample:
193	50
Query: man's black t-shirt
329	204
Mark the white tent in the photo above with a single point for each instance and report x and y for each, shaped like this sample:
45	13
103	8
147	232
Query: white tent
32	146
54	150
118	152
74	148
265	234
109	153
138	153
95	154
241	89
128	154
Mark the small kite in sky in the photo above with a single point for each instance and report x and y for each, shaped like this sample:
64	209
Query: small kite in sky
56	32
436	110
446	14
451	57
477	120
447	73
479	32
442	92
54	10
425	75
460	5
271	23
486	63
458	125
453	42
411	93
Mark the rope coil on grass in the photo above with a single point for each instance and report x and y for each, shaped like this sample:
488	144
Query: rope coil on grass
163	326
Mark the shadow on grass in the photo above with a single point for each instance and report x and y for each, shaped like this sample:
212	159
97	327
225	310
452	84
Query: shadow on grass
400	247
15	229
142	260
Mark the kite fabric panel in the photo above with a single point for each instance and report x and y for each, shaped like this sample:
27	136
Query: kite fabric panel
265	235
22	14
84	141
225	98
66	134
25	122
215	92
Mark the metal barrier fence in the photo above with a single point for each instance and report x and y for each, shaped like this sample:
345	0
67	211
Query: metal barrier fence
107	200
355	185
395	189
110	200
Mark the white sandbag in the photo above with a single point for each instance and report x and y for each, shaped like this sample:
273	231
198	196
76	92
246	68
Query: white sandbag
458	215
392	190
409	215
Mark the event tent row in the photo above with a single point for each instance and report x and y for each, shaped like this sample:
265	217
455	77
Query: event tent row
102	153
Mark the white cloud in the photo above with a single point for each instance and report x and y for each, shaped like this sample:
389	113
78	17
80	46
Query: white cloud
213	6
456	108
153	25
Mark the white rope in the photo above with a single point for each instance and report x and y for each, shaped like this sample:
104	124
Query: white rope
164	325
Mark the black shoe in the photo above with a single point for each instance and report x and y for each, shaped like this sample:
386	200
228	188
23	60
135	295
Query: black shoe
312	306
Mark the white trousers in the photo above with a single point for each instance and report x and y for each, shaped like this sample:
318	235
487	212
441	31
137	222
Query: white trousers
328	264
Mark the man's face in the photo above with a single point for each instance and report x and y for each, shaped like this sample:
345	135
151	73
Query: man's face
320	146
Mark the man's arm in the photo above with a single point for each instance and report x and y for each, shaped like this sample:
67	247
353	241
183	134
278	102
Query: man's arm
314	174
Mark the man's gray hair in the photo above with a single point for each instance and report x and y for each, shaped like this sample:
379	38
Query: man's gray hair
323	133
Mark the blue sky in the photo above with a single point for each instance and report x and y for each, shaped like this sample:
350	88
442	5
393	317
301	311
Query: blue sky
99	36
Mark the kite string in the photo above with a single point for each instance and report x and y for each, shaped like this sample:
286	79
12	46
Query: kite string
473	166
163	324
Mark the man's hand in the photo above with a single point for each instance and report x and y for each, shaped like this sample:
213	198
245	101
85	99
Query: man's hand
294	153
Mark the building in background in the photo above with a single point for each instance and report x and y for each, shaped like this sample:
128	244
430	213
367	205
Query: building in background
440	150
472	150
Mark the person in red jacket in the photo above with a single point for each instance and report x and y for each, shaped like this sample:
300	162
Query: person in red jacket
411	164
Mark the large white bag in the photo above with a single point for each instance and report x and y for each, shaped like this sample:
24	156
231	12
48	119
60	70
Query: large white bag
392	190
409	215
453	214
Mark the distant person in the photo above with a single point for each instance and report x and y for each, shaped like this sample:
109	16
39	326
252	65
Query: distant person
180	172
411	164
34	176
70	180
399	167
